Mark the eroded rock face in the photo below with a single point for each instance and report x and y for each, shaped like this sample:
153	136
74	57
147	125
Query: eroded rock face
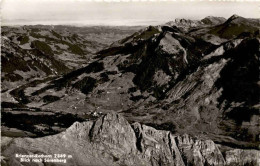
242	157
111	140
199	152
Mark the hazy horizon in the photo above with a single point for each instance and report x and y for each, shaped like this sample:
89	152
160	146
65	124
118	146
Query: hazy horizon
88	13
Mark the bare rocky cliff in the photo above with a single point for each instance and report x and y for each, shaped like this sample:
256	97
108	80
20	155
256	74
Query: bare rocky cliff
111	140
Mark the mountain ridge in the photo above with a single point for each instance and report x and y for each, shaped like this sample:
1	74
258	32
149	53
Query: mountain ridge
121	143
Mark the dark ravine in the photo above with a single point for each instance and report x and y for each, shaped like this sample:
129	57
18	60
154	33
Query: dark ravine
111	140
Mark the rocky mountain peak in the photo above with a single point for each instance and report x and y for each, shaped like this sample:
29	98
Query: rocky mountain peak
212	20
235	19
235	16
184	23
120	143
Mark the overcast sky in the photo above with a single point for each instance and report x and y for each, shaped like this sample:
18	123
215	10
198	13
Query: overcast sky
123	13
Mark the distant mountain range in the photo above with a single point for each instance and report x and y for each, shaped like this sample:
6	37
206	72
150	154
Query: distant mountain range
31	52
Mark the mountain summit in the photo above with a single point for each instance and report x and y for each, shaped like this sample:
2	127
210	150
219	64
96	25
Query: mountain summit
111	140
211	20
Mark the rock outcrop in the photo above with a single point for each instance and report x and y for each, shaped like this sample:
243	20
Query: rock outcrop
112	141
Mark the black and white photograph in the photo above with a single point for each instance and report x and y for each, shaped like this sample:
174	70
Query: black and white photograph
130	82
